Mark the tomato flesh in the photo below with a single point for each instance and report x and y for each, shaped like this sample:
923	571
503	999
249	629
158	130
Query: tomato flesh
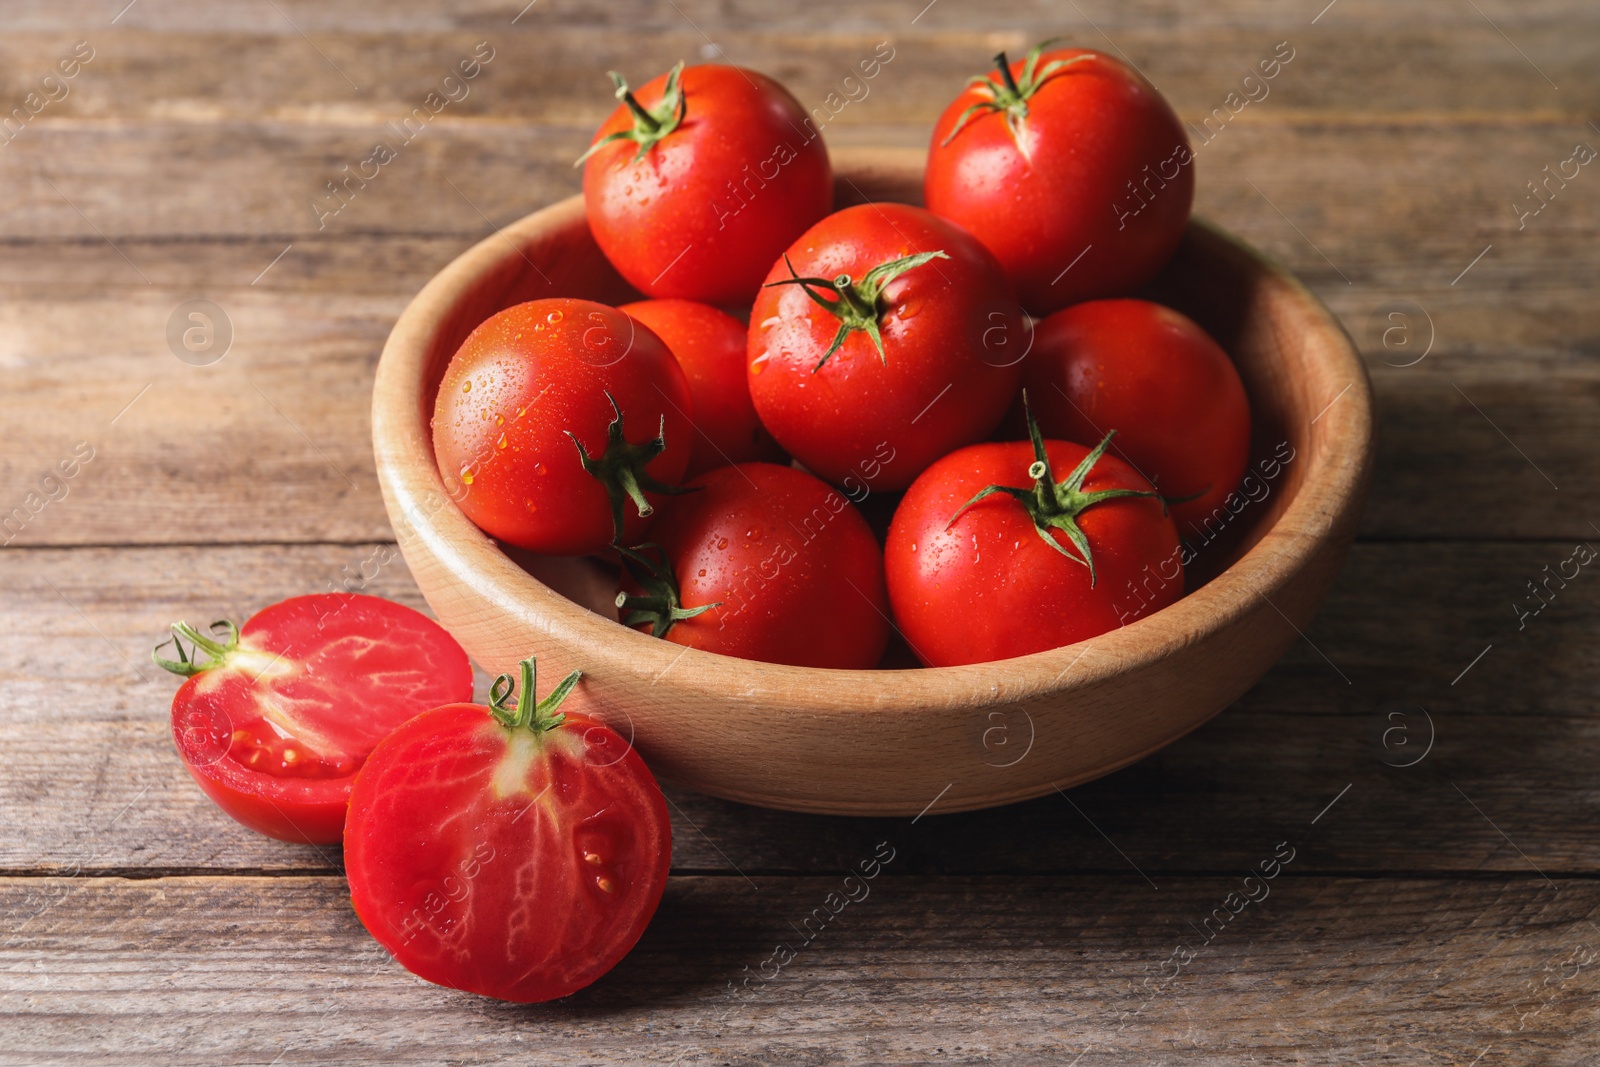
507	862
276	731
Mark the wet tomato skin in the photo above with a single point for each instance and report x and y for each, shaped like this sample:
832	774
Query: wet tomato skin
709	345
1100	168
987	587
518	384
705	211
795	569
1158	379
276	732
953	335
511	863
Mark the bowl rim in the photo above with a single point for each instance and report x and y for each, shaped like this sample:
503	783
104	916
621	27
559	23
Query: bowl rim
408	475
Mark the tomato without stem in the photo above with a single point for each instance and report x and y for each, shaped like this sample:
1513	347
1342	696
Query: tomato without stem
1071	168
762	562
710	345
883	339
1155	377
559	424
989	557
697	182
516	853
277	719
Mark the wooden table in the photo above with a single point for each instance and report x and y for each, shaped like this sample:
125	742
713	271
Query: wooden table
1423	764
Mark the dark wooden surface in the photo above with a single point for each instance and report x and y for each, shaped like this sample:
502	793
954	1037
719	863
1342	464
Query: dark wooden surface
1446	912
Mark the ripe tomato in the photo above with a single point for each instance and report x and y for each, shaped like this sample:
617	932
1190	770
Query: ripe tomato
553	415
515	853
276	723
709	345
694	186
1159	380
883	332
990	557
763	562
1073	170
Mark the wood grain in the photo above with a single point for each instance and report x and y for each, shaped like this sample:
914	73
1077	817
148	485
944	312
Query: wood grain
998	970
94	783
1387	156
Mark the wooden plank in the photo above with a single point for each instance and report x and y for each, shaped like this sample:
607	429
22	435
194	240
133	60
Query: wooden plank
287	407
92	781
1003	970
1350	68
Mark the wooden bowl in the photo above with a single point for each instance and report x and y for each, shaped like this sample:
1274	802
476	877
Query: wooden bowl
898	742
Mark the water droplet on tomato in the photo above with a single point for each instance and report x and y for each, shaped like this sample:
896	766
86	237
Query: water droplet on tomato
502	442
606	884
553	318
466	475
531	506
771	321
908	310
759	364
722	542
702	572
538	468
466	386
592	858
499	420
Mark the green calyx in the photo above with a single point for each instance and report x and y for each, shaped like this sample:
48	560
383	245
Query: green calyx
1056	505
621	468
538	716
1010	95
649	124
858	305
188	662
661	603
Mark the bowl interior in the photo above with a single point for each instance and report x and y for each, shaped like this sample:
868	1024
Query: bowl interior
1211	279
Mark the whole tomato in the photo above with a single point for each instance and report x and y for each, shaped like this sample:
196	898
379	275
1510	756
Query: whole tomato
278	715
508	851
762	562
989	557
1155	377
1071	167
558	423
695	184
884	338
710	345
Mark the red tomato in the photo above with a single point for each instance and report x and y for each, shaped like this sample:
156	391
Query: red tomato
884	338
694	186
989	557
1073	170
514	853
1159	380
552	416
766	563
276	724
709	345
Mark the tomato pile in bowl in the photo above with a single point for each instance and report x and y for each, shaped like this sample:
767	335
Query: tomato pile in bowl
711	555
